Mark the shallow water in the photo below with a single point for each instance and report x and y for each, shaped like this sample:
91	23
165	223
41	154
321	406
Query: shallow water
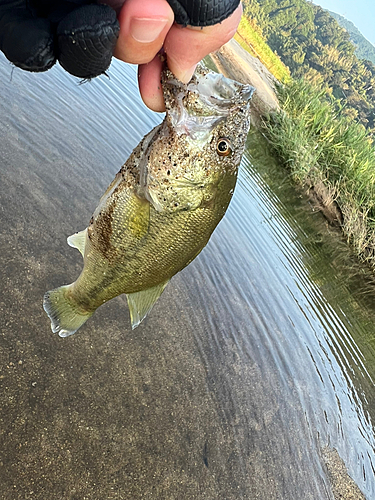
257	356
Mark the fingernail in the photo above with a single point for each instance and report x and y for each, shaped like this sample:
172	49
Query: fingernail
146	30
185	77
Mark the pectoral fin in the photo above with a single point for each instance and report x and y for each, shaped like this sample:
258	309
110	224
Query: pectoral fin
141	303
152	197
78	240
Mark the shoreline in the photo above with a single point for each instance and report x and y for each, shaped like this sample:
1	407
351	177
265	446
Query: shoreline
236	63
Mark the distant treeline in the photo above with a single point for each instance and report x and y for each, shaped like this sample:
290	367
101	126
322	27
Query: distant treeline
314	46
364	49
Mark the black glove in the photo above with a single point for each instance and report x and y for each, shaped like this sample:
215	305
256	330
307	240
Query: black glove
81	34
202	12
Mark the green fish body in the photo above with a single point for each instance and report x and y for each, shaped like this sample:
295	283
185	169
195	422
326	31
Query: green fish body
162	207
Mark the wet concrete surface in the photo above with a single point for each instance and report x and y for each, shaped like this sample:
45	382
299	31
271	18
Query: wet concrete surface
180	408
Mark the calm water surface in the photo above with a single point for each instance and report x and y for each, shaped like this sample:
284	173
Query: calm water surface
257	357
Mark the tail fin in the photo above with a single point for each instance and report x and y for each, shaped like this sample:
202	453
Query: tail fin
65	315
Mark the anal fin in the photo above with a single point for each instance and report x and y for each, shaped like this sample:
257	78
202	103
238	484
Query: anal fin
141	303
78	241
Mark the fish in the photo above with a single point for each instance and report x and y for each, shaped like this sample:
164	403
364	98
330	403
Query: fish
163	205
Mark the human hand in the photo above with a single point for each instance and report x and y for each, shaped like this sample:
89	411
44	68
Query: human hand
83	35
79	33
147	26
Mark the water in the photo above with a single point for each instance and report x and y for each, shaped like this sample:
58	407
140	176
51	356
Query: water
257	358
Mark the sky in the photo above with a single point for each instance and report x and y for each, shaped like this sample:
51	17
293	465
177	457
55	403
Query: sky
360	12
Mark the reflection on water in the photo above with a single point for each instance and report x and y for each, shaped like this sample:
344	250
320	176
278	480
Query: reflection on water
256	358
336	297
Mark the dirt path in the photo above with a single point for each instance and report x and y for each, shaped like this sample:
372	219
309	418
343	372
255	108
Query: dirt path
233	61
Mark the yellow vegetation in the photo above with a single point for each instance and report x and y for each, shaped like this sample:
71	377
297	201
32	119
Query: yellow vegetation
252	41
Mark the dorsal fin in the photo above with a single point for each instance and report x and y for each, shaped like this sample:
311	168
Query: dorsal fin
141	303
78	241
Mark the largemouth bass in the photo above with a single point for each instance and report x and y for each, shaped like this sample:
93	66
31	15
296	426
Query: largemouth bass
163	205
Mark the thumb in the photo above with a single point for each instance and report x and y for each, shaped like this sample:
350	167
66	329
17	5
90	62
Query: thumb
144	26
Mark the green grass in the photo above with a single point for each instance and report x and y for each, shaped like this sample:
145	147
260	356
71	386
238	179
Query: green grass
320	145
252	41
315	140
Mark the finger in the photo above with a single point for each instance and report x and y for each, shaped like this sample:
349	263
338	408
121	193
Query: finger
143	27
185	47
149	76
27	42
202	12
86	40
115	4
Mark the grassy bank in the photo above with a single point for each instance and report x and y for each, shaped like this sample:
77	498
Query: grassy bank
252	41
324	149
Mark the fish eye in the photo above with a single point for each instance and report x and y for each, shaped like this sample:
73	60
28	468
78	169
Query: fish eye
223	147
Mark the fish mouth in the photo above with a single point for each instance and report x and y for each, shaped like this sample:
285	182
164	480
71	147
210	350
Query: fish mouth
219	92
213	88
194	109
